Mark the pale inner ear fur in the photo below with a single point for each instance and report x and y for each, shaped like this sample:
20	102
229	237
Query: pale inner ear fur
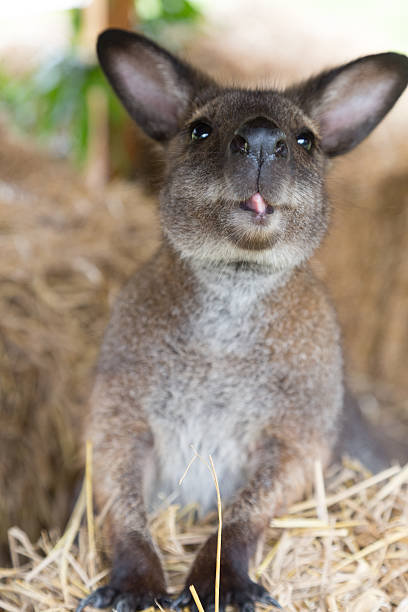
154	86
148	83
353	101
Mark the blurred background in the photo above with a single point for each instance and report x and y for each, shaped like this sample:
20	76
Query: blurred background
77	213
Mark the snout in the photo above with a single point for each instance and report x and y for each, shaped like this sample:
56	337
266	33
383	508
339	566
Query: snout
256	159
259	139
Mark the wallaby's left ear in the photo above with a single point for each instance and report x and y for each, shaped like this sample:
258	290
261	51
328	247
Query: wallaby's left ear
349	101
155	87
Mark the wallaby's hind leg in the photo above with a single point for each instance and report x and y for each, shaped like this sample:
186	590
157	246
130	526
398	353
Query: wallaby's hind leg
123	449
282	468
137	580
236	588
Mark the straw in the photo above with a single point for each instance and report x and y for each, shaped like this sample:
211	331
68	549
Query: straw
341	563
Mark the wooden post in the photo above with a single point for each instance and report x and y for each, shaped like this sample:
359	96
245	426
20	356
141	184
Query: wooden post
121	14
97	16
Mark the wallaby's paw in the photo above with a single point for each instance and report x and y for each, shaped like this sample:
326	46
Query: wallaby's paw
101	598
106	597
243	597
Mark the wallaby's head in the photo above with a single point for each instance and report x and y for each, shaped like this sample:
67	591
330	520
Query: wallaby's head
245	168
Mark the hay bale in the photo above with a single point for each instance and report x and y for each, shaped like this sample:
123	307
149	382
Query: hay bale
364	260
65	253
343	550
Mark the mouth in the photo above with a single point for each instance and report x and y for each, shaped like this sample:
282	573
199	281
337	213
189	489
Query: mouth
257	206
254	224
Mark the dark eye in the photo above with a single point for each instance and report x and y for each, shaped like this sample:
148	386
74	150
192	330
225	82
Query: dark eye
200	131
306	140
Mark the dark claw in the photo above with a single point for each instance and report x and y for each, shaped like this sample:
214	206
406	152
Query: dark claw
258	593
125	603
165	602
181	601
101	598
243	600
247	607
211	607
269	601
107	597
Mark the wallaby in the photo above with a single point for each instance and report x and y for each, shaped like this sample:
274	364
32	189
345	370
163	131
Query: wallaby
224	339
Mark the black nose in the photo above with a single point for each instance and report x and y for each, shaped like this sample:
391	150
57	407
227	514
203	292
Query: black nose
259	138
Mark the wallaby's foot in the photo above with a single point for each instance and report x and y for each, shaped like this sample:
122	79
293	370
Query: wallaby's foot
106	597
236	588
243	594
137	580
101	598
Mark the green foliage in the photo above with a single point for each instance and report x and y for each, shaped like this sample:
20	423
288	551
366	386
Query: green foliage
156	14
76	24
52	103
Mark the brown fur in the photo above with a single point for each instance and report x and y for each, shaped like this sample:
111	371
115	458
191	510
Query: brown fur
225	339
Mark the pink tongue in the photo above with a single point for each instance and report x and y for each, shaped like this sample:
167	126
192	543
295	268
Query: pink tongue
257	204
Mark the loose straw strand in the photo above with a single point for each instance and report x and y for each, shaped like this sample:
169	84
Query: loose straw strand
213	473
218	562
89	508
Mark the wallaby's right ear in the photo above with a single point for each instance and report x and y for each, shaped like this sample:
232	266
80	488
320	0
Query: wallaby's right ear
154	86
349	101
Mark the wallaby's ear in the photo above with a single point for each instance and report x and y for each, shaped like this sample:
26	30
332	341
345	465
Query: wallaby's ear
349	101
154	86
